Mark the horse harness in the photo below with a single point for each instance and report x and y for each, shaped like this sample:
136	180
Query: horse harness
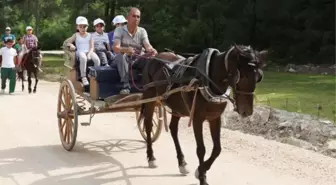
174	75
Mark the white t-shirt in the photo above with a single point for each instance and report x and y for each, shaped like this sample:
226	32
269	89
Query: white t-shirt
8	55
83	44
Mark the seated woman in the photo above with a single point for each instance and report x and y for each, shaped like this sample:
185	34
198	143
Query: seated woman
101	42
85	47
118	21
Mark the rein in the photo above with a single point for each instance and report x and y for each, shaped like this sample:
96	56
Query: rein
192	82
137	56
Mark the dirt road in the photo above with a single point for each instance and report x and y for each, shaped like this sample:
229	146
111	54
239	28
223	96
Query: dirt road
111	151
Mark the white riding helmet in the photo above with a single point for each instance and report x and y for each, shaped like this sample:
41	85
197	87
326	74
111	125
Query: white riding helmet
119	19
29	28
82	20
98	21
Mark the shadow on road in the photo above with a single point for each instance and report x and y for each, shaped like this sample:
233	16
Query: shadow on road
89	164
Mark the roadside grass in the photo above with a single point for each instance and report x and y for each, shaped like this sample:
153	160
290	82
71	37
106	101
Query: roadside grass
292	92
53	68
310	94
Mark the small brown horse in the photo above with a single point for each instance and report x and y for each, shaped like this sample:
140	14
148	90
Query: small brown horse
30	62
238	68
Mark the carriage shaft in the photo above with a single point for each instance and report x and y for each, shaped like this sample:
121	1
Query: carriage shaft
157	98
108	110
134	105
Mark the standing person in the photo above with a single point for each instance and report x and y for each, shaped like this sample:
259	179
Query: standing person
101	42
7	36
84	45
118	21
126	40
30	41
8	71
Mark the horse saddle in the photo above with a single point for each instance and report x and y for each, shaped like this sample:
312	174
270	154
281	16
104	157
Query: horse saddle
179	67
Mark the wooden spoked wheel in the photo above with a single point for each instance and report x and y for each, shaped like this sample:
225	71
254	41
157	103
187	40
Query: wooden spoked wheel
157	124
67	115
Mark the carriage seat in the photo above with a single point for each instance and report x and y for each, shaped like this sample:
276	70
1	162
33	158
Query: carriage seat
107	77
91	64
108	80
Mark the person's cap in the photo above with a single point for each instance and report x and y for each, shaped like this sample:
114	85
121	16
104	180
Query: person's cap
98	21
29	28
82	20
119	19
8	28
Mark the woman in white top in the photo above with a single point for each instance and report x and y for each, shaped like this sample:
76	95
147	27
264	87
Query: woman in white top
85	47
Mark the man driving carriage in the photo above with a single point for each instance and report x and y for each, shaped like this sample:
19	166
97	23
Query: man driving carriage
127	40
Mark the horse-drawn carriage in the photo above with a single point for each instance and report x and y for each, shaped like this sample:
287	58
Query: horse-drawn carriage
204	83
101	96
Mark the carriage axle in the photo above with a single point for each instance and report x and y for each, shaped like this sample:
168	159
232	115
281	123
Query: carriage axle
65	114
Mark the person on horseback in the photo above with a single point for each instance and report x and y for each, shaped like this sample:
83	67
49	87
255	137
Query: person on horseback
30	41
20	49
101	42
7	36
8	71
84	47
118	21
18	46
128	39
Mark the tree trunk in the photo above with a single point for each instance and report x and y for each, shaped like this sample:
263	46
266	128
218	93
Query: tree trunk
253	22
113	7
37	18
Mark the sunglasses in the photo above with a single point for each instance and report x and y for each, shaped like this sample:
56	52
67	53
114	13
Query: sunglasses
82	26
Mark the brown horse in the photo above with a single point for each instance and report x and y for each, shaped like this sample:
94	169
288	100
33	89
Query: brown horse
30	62
238	68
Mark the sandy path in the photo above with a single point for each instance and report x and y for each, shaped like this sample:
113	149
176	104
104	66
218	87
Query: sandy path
111	151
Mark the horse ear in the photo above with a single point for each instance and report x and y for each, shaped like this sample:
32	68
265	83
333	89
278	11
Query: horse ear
237	48
263	55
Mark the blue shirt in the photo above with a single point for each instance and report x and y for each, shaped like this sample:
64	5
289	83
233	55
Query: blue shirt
5	37
110	36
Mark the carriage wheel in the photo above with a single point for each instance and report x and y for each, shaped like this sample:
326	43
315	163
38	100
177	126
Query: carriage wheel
157	124
67	115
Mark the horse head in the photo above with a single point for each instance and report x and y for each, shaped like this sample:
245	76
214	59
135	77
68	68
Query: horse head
35	55
244	66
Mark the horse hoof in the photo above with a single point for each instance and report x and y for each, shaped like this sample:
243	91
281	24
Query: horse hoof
197	174
34	91
183	170
204	183
152	164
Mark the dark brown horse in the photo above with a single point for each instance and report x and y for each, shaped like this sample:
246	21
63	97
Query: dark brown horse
238	68
30	62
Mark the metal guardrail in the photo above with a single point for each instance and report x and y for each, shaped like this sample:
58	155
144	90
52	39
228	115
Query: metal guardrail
53	52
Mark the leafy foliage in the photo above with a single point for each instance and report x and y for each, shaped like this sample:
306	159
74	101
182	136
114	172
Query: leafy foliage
301	31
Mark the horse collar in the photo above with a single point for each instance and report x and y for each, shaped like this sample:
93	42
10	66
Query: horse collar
204	65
